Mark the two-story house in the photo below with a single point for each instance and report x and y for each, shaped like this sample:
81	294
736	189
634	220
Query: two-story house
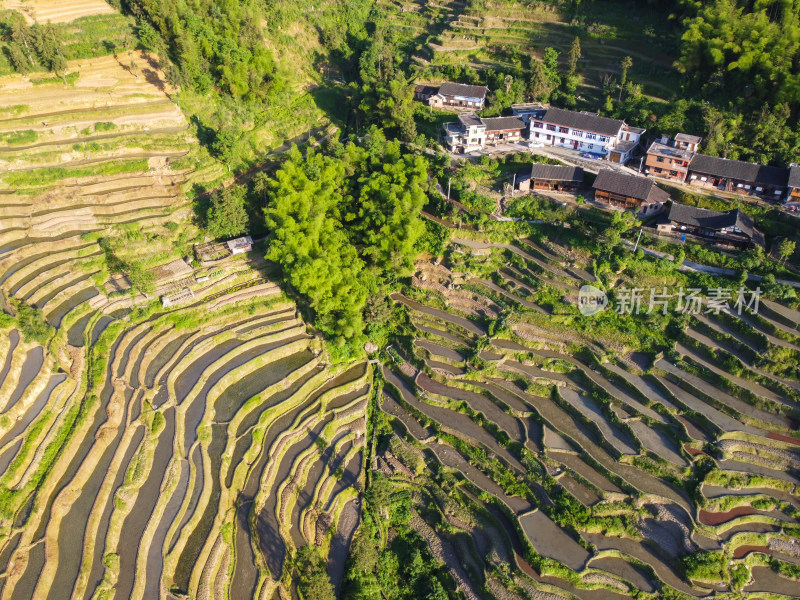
669	159
583	131
465	135
629	192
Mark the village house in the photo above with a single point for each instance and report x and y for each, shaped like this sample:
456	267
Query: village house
501	130
629	192
583	131
423	92
465	135
553	178
739	177
793	184
457	95
669	159
730	228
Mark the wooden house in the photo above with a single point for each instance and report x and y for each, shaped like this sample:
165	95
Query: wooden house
629	192
730	228
738	177
554	178
501	130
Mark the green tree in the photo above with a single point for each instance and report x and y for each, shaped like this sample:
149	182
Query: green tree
539	86
550	65
227	215
574	57
314	583
786	249
625	64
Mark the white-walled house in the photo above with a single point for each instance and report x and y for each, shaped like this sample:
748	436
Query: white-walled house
465	135
581	131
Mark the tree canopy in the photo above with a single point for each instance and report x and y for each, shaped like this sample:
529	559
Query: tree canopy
343	224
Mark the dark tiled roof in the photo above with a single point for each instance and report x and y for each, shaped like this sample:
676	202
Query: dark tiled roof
556	172
690	139
426	90
737	169
469	119
794	177
461	89
631	186
585	121
711	219
503	123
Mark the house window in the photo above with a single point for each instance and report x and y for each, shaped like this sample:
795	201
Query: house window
591	146
563	130
577	133
537	124
759	189
738	185
537	135
591	136
704	179
551	128
562	140
659	159
657	169
603	138
673	173
694	176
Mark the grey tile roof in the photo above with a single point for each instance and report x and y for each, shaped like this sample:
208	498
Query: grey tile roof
461	89
584	121
794	177
469	119
631	186
711	219
736	169
556	172
503	123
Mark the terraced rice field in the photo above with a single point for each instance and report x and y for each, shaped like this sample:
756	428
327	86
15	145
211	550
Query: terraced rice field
145	450
579	456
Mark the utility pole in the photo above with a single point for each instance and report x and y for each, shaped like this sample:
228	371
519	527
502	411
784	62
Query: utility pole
641	160
636	245
448	188
514	185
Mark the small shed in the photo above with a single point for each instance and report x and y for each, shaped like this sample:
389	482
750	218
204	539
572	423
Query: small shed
240	245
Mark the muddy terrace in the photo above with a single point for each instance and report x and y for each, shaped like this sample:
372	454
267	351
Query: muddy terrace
577	466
